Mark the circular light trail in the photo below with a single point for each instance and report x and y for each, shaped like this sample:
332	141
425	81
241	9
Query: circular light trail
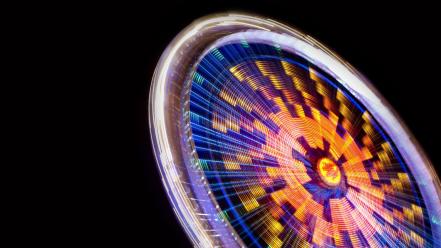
265	138
329	172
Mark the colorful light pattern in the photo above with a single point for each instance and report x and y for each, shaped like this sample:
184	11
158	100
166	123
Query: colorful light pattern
328	171
261	119
265	141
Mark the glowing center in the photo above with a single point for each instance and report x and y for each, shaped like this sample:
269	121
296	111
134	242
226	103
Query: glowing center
329	172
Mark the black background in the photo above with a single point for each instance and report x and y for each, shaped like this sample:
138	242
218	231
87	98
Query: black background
394	46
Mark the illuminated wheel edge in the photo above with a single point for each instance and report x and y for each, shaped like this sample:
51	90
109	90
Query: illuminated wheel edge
166	134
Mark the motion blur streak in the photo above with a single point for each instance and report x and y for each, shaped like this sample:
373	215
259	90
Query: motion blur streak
264	138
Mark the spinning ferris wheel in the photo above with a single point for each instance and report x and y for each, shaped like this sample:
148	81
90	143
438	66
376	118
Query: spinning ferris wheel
266	138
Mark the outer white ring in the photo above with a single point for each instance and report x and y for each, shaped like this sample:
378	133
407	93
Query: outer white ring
319	55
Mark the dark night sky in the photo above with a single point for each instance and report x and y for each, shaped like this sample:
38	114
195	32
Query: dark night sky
393	46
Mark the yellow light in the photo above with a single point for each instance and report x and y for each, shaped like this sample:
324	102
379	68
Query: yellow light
329	172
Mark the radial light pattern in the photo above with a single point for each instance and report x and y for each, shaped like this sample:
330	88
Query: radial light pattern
279	153
293	159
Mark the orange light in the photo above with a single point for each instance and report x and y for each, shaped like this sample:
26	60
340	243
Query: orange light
329	172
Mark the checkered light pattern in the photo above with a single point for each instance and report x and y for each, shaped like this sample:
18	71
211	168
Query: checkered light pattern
260	118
